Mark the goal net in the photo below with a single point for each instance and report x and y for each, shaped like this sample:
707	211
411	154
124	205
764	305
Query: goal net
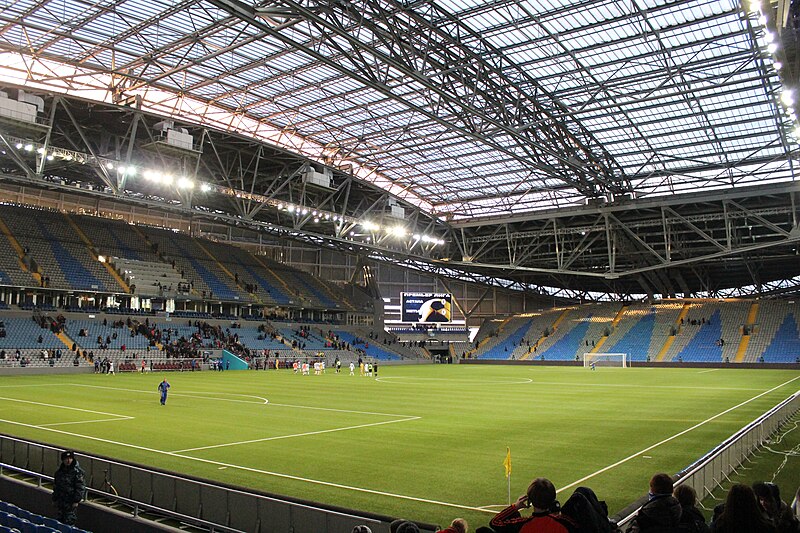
605	359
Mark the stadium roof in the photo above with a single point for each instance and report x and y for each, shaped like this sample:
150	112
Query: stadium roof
486	115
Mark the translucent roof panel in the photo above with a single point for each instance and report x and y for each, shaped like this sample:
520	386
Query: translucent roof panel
471	105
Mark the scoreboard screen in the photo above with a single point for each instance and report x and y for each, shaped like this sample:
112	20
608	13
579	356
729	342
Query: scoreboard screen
426	307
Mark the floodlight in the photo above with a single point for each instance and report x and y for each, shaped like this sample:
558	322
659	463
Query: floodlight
398	231
370	226
185	183
205	187
787	97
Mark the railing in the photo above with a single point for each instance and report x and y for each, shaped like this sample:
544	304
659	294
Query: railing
201	504
711	470
136	508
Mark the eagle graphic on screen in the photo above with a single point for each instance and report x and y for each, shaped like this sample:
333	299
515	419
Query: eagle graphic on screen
435	310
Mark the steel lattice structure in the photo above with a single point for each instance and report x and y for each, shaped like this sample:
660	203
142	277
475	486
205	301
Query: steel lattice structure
569	147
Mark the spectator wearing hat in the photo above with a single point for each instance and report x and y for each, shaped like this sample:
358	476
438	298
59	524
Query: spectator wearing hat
68	488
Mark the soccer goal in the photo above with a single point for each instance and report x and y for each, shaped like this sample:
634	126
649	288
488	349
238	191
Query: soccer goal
605	359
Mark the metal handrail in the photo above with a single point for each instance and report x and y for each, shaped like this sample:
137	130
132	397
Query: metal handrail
136	506
705	461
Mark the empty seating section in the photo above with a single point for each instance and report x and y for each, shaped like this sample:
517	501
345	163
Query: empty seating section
11	272
771	317
250	272
25	333
197	267
504	348
570	343
704	342
114	238
527	347
309	287
635	341
13	518
785	345
665	323
590	323
151	278
59	252
497	334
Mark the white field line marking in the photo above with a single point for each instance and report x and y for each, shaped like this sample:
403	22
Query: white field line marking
255	470
707	371
376	492
121	417
635	386
87	421
279	437
193	394
675	436
154	392
412	380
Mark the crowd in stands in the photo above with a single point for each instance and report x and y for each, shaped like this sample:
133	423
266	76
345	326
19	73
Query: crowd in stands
668	509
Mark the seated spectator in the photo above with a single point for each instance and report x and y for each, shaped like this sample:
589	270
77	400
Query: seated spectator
459	525
541	495
692	520
403	526
774	509
796	504
662	510
740	514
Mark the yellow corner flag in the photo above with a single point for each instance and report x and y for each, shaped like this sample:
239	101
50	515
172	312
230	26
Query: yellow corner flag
507	462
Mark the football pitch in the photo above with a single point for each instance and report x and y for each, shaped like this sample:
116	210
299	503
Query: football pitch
423	442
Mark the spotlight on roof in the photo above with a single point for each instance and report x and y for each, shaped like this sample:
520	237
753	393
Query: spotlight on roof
205	187
185	183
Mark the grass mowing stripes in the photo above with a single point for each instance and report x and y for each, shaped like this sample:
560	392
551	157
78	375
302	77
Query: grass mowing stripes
424	442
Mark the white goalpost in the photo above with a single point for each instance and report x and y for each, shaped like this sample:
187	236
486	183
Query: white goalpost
605	359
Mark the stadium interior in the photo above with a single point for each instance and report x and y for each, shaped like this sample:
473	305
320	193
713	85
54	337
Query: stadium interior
193	183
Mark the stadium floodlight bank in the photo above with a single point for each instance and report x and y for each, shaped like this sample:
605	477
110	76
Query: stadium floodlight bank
605	359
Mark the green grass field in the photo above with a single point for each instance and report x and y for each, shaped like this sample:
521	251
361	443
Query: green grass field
422	442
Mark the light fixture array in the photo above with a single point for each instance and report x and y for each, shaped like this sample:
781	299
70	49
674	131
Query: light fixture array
769	42
187	184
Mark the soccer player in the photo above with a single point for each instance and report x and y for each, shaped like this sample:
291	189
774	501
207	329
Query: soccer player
163	387
592	366
352	368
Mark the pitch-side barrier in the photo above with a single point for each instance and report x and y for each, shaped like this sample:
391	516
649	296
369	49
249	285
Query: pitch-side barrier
712	470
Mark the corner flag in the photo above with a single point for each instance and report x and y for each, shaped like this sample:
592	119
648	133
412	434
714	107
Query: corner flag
507	462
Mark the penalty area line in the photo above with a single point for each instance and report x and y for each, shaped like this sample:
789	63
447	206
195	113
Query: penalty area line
255	470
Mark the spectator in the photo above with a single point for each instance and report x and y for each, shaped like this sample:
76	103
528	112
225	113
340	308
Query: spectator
362	529
662	510
541	495
796	504
459	525
774	509
740	514
692	520
68	487
403	526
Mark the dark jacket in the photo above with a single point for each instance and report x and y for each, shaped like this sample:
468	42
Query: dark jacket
693	521
68	484
662	511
